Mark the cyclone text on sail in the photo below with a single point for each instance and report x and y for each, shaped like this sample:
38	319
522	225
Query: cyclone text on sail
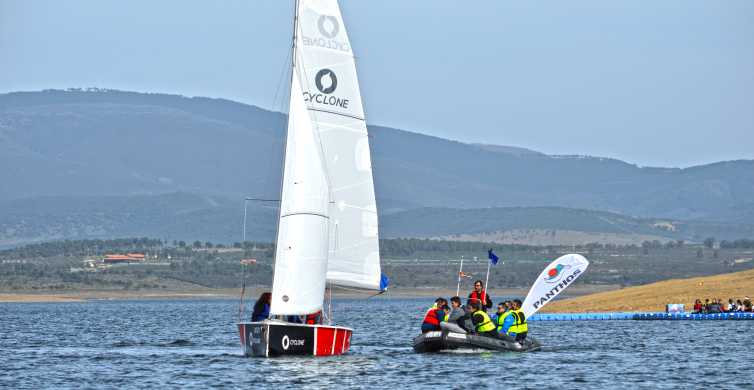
326	43
327	100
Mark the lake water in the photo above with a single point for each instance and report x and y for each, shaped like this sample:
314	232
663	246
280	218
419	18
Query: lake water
194	344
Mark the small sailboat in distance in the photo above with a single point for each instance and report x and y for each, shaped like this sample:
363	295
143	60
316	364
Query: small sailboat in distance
327	227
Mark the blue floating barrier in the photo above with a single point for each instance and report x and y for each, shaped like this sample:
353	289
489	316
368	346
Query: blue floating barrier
646	316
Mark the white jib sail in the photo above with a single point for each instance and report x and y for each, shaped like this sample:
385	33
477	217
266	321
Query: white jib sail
331	93
555	278
298	286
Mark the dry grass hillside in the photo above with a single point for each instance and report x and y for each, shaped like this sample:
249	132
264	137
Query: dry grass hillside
654	296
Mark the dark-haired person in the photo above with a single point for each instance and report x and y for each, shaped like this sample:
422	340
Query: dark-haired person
456	318
456	310
714	307
261	307
480	294
435	315
483	325
698	306
520	327
504	318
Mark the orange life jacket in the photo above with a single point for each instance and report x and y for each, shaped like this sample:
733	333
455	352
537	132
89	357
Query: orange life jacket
313	319
480	297
431	317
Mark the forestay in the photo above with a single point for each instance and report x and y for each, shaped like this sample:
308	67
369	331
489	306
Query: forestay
301	254
331	93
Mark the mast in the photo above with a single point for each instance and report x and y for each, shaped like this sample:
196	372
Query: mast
285	137
295	36
302	232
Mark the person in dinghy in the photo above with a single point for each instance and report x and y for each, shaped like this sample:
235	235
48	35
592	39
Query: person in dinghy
483	324
480	294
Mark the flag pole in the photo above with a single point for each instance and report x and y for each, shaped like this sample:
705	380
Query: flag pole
486	280
460	270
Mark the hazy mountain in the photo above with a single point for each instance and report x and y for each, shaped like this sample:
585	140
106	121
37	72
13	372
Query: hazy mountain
551	225
170	216
190	217
95	143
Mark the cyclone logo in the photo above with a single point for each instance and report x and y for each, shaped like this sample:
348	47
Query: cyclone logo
326	81
555	273
328	26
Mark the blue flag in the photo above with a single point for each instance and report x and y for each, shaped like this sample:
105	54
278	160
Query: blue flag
384	281
493	257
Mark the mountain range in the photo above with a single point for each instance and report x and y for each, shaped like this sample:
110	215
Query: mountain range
98	152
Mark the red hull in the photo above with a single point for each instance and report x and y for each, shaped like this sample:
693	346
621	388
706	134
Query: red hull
273	338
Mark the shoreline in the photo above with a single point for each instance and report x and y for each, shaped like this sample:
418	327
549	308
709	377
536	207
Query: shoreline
64	296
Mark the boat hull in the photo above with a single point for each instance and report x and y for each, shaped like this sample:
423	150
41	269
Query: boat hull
440	341
277	338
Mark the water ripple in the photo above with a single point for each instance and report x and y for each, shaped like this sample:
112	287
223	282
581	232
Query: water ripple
193	344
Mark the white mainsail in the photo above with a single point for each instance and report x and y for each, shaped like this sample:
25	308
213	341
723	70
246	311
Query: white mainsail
298	286
331	92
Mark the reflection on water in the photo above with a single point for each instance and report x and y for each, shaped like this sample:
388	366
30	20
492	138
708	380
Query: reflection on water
137	344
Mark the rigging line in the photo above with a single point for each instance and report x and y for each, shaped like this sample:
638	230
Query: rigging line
285	138
263	200
283	72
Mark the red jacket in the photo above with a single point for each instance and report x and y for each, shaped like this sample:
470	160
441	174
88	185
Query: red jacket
483	297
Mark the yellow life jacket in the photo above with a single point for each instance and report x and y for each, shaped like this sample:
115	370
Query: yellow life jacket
501	319
487	324
520	325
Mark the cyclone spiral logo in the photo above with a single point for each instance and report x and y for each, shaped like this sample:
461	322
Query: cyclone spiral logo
326	81
328	26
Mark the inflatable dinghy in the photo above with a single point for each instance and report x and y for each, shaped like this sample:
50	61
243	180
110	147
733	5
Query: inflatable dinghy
439	341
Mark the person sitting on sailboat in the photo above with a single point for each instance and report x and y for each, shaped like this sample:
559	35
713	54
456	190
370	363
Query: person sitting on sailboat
483	325
435	315
314	318
261	307
480	294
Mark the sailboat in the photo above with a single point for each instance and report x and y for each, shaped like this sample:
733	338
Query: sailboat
327	227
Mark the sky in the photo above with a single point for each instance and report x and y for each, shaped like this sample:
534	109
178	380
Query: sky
656	83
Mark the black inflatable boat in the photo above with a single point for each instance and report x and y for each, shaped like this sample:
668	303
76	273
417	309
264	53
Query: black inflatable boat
448	341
